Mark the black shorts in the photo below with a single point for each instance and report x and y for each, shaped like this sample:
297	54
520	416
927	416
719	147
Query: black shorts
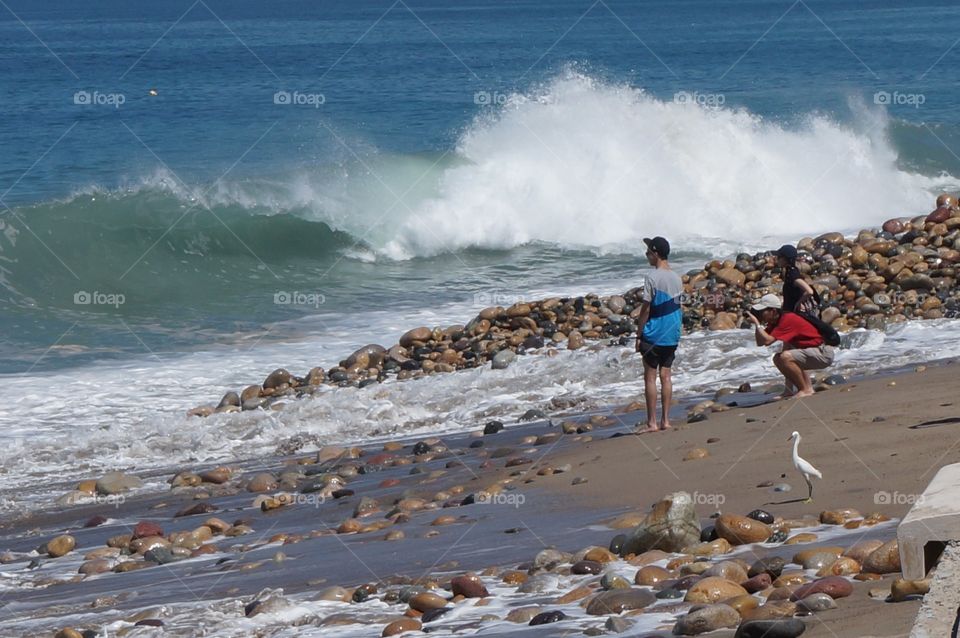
657	356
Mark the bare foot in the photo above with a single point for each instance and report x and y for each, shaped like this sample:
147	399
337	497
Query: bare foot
666	426
651	427
804	393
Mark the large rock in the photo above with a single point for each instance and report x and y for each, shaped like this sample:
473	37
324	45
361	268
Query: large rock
671	526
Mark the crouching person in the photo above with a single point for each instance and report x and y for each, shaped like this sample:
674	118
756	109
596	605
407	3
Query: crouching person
804	346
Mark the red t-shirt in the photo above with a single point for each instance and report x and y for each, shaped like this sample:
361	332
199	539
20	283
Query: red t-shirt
796	331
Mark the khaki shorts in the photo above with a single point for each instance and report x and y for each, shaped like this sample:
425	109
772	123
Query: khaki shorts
812	358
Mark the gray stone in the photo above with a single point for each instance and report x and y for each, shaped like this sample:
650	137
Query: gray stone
816	602
671	526
706	618
618	624
620	600
117	483
503	359
539	583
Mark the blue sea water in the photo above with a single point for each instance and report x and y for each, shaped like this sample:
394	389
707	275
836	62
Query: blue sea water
196	192
201	201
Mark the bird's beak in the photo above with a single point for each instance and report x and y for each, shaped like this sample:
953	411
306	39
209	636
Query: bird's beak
789	437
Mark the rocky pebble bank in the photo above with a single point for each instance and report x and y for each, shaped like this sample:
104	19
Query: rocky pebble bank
664	571
656	573
906	269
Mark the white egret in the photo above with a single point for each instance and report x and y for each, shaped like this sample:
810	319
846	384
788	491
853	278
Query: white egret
803	466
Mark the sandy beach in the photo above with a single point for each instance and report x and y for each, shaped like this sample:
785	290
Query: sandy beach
485	504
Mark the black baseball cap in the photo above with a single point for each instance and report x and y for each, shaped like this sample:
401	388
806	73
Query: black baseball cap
788	252
658	245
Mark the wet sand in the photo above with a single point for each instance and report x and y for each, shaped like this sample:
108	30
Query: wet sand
871	437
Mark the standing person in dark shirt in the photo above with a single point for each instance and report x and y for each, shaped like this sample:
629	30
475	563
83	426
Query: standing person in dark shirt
798	295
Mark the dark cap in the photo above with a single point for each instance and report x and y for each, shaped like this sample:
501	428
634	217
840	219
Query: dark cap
658	245
788	252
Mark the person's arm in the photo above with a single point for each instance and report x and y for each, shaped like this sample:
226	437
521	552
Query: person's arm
761	335
802	284
642	318
643	315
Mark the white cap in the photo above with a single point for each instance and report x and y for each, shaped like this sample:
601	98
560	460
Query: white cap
768	301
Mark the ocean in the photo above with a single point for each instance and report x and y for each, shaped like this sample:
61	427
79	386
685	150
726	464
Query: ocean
197	193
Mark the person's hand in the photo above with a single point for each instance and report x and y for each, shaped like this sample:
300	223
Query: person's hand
636	345
752	318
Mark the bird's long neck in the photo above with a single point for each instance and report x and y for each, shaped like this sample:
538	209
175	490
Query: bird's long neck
796	446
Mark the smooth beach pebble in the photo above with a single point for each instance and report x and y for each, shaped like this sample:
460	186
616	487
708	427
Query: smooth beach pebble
816	602
651	575
902	589
468	586
522	614
614	581
763	516
833	586
839	517
599	555
728	570
781	628
425	601
619	600
547	617
705	619
740	530
741	604
117	483
146	528
539	583
712	590
60	546
883	560
586	567
757	583
432	614
802	537
843	566
771	611
401	625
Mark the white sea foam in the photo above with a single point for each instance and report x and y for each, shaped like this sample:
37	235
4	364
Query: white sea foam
131	415
584	163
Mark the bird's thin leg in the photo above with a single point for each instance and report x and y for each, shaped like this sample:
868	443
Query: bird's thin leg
809	489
